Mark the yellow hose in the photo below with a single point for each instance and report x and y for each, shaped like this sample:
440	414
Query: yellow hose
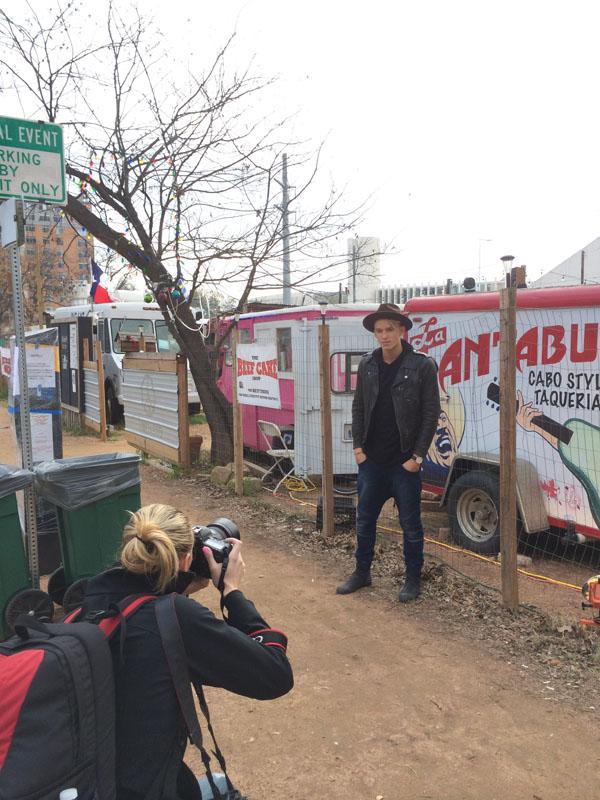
534	575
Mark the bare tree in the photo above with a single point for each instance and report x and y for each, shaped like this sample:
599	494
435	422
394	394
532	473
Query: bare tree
178	173
42	285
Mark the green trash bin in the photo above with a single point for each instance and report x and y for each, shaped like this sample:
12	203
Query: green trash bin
92	496
16	593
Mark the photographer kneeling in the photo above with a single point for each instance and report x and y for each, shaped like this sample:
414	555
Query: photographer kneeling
241	654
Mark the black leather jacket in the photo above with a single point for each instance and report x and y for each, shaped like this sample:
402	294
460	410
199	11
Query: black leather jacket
416	398
150	732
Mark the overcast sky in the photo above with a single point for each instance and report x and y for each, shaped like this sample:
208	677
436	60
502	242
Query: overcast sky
464	121
467	120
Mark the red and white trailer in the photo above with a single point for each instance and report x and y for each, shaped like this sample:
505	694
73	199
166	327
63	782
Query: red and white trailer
557	409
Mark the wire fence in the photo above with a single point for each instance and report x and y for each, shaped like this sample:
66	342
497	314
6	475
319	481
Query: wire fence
557	432
284	373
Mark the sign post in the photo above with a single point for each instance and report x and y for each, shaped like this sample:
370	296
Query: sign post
32	167
9	225
32	161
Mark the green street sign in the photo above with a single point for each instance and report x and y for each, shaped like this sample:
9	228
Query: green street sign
32	161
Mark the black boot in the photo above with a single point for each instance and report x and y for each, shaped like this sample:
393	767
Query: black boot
358	579
411	589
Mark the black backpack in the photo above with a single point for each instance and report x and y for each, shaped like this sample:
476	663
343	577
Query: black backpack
57	706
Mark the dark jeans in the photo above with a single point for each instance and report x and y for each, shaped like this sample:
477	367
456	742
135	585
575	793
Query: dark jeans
376	485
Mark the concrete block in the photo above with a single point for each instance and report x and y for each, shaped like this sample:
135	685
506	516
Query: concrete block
221	475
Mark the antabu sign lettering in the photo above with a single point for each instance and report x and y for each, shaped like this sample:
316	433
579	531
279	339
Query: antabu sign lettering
257	375
32	164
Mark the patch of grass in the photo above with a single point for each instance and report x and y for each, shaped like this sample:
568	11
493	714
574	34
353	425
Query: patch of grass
76	430
198	419
257	502
203	462
175	472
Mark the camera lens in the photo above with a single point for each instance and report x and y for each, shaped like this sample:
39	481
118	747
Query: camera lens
213	536
224	528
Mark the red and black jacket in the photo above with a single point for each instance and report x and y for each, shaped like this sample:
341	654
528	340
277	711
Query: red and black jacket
242	655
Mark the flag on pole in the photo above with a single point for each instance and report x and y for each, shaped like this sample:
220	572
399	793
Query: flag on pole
98	292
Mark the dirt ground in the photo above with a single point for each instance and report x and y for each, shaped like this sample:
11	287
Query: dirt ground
450	697
389	701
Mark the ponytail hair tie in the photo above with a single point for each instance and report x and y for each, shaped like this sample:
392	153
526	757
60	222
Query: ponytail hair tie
148	545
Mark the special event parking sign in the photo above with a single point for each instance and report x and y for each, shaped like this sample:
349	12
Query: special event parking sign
32	163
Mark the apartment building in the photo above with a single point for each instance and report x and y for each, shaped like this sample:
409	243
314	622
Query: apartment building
55	264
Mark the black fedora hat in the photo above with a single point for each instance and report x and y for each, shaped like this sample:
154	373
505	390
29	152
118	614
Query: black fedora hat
387	311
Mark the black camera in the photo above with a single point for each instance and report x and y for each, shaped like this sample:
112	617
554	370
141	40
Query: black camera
212	536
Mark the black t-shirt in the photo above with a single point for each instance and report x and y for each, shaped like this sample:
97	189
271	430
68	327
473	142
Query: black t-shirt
383	444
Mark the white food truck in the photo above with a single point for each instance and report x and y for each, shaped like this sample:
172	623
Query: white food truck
118	327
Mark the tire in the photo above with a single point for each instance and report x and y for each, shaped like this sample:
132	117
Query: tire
29	601
74	595
113	407
346	488
57	585
474	511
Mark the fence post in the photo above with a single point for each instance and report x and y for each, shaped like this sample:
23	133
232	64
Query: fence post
326	437
183	412
508	458
238	431
101	390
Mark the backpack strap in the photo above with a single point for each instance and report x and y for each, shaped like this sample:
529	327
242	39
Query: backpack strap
174	649
109	621
125	609
73	616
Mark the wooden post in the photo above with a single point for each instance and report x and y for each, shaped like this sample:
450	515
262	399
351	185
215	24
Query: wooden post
101	391
238	429
183	412
326	436
86	350
508	458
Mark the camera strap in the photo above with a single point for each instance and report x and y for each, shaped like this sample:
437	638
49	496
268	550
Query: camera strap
221	583
174	650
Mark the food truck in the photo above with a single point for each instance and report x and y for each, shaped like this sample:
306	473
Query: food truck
557	405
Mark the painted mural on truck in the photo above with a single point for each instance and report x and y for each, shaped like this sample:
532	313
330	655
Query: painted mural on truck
557	405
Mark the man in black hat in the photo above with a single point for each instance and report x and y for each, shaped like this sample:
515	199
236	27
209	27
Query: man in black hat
394	417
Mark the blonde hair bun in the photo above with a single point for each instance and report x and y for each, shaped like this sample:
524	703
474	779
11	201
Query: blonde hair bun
154	540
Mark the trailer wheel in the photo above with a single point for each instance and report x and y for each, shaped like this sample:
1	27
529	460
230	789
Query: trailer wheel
473	507
29	601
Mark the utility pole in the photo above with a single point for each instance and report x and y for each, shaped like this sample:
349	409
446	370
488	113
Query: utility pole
287	290
39	287
354	260
582	267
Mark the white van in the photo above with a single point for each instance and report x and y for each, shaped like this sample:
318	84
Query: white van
111	323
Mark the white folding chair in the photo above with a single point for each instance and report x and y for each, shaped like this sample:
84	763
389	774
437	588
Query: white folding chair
270	432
